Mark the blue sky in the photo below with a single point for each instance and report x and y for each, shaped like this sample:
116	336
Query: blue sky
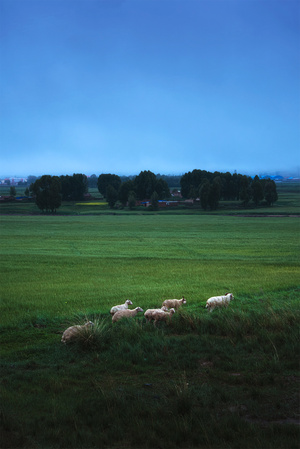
120	86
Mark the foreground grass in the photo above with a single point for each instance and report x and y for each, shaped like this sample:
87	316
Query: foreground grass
221	380
225	380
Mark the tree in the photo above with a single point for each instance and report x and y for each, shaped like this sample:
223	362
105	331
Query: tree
105	180
124	190
47	193
144	184
79	186
162	189
245	193
214	193
270	192
131	200
73	187
111	195
204	194
154	200
257	191
12	191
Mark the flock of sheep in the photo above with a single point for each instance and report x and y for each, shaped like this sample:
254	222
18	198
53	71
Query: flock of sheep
169	307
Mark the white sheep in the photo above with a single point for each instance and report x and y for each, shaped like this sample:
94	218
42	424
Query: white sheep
126	313
159	315
149	312
219	301
124	306
73	331
174	303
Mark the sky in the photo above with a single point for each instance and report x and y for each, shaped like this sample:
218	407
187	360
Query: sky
122	86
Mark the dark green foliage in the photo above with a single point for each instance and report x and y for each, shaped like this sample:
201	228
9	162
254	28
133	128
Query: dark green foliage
125	189
131	200
270	192
106	180
257	191
213	187
111	195
245	190
154	200
73	187
146	183
46	191
204	193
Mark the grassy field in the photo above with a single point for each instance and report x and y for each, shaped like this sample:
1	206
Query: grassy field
224	380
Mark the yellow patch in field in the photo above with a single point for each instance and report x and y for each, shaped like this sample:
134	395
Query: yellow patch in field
92	204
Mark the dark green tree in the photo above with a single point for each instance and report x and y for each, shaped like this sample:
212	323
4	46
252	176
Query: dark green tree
245	190
111	195
105	180
214	193
131	200
162	189
144	184
12	191
154	200
47	193
271	195
66	187
204	194
257	191
193	193
79	186
73	187
124	190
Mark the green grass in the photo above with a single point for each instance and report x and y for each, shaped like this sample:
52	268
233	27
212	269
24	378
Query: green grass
58	265
226	379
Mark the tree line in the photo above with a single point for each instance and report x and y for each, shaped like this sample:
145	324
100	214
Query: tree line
211	188
206	187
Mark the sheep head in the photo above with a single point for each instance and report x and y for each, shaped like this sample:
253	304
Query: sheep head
231	297
128	302
89	323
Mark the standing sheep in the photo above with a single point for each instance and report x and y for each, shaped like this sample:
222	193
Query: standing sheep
158	315
124	306
72	332
219	301
174	303
126	313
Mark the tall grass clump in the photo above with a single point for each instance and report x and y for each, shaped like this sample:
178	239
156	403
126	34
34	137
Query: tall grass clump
94	336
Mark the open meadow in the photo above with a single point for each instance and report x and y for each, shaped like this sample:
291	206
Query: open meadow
227	379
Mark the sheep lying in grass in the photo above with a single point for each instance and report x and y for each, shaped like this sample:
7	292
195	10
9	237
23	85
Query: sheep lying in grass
126	313
74	331
174	303
158	315
219	301
124	306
